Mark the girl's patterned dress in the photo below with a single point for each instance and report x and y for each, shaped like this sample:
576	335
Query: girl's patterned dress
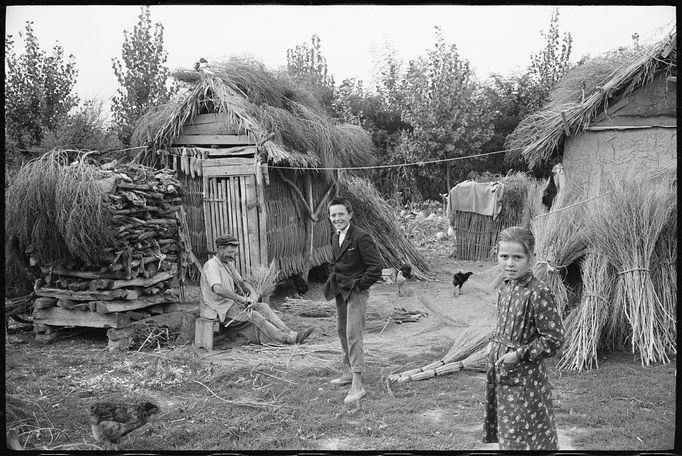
518	411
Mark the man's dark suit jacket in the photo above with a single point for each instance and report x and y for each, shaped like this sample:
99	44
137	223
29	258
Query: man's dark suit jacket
357	263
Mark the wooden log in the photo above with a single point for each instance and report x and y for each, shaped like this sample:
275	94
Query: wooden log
134	316
70	305
143	187
191	307
63	282
143	282
44	303
151	290
121	305
107	295
57	316
156	309
100	284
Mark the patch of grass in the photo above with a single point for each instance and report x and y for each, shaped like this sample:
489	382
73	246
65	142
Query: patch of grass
620	406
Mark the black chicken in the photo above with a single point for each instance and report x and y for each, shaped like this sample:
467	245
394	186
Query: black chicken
301	285
458	280
111	421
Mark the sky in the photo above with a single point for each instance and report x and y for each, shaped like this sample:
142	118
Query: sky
494	39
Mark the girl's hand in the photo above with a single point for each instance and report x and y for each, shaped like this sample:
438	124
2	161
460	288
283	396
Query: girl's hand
508	358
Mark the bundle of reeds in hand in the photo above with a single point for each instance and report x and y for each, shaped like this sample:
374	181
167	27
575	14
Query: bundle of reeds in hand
467	352
264	280
625	224
585	323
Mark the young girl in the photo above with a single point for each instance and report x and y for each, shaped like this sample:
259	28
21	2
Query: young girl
518	411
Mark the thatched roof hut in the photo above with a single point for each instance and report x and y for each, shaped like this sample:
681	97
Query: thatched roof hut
257	156
605	113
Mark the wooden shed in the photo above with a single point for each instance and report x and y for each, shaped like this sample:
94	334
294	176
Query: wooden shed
626	118
256	156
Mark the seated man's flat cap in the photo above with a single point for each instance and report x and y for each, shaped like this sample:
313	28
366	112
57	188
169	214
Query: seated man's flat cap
226	239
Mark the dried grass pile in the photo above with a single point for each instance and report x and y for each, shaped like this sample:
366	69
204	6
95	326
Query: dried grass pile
43	209
626	224
373	214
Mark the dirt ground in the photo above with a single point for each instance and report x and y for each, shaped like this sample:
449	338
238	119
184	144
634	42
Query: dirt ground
50	387
445	314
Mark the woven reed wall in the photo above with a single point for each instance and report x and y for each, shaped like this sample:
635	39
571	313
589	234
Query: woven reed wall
286	225
477	234
193	201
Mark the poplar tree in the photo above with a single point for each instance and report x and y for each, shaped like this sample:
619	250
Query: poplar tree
142	74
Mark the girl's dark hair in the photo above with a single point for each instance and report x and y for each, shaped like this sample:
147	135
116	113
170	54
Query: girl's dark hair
344	202
521	235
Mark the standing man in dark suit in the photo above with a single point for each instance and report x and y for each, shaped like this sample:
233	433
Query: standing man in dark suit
357	265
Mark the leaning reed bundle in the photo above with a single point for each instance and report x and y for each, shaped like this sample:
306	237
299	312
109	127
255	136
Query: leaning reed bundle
559	242
664	269
585	323
264	280
625	223
475	361
373	214
469	342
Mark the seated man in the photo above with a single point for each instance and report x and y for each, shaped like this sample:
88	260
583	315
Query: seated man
229	299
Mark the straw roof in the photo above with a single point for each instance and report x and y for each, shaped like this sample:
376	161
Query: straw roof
286	121
541	135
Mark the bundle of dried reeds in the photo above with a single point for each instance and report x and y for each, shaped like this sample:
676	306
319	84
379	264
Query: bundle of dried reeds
373	214
475	361
264	280
464	349
664	270
625	224
559	242
585	323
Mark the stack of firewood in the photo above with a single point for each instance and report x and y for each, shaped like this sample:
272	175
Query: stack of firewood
142	271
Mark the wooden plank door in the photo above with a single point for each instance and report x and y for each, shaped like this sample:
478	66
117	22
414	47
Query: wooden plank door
231	206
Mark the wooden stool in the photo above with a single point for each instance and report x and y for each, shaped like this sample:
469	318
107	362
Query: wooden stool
203	333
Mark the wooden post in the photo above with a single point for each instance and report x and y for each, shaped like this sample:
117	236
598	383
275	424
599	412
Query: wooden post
187	328
262	214
448	165
309	224
203	333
